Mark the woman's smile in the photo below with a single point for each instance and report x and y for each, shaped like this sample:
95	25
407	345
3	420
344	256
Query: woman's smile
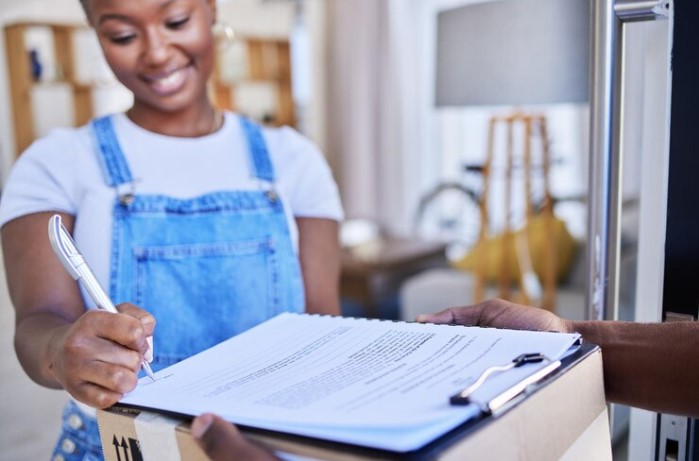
169	82
163	51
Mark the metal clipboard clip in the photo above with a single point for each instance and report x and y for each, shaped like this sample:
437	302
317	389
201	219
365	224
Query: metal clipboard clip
491	406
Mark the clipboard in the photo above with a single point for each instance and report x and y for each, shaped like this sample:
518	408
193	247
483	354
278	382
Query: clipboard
494	410
375	383
544	403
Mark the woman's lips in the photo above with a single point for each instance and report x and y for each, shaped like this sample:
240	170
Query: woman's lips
168	83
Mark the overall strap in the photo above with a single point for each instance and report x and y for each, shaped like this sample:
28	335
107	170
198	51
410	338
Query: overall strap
116	170
261	163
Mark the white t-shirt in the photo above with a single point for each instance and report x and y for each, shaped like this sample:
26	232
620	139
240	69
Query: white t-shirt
61	172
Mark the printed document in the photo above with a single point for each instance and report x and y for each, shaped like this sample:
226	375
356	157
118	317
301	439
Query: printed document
375	383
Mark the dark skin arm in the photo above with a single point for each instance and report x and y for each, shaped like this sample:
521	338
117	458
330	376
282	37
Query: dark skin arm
319	253
221	441
653	366
94	355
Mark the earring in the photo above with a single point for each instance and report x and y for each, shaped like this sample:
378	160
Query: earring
224	33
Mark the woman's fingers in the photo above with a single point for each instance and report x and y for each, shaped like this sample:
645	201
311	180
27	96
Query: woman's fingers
148	324
97	358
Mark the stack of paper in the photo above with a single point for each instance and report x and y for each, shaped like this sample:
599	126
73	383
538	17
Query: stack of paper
374	383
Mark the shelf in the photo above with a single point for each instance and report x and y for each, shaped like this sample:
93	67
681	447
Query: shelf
23	82
261	87
256	62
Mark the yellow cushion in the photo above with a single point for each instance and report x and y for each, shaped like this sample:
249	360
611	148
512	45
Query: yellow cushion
564	250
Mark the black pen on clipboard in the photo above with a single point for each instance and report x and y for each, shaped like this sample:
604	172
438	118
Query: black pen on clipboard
74	262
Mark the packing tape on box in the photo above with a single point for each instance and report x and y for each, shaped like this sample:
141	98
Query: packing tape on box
156	436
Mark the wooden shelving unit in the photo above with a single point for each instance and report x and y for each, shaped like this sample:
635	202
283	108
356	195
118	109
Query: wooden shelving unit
265	61
22	82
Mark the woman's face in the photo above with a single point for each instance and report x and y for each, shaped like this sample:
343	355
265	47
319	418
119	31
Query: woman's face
162	50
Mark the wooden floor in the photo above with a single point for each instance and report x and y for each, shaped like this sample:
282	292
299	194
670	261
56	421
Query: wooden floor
29	414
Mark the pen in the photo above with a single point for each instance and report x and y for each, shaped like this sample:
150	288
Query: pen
64	247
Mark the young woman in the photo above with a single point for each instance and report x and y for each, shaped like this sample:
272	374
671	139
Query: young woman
204	220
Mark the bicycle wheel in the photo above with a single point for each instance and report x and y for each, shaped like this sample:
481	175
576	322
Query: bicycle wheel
449	213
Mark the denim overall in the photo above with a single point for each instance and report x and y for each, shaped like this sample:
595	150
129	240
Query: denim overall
207	268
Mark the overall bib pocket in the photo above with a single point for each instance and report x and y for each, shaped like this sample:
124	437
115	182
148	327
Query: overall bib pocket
240	290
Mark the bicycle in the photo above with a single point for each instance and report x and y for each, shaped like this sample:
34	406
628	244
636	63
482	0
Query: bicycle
450	212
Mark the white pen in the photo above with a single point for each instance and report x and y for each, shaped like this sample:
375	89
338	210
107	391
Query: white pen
64	247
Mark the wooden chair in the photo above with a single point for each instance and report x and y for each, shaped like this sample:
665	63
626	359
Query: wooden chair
515	266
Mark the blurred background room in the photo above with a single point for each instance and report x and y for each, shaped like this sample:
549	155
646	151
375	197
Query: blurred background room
457	130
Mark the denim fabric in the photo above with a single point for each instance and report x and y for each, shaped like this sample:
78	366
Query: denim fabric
118	171
206	267
262	164
79	439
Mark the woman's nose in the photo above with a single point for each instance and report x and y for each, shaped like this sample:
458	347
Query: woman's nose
156	47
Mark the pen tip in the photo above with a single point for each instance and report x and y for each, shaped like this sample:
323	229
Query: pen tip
148	370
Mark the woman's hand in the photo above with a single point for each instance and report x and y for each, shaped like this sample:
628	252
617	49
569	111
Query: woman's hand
501	314
98	357
94	355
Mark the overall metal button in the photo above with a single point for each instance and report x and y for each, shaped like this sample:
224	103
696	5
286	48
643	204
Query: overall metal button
58	458
271	196
126	199
75	421
68	446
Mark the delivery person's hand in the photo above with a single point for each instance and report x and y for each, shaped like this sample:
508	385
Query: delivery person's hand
221	441
499	313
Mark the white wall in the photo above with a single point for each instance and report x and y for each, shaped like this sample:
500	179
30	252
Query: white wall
252	17
315	123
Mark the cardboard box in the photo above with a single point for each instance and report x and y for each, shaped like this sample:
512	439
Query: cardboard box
564	418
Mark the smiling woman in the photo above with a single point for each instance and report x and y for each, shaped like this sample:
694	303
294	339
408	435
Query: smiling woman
208	223
164	53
